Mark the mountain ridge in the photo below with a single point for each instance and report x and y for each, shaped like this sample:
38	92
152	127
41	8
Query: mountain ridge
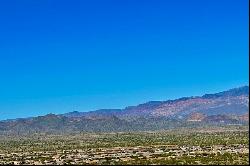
223	108
243	90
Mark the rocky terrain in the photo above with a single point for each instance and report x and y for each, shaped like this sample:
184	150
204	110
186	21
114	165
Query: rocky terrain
223	108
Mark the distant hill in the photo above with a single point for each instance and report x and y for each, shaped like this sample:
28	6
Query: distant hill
234	101
244	90
228	107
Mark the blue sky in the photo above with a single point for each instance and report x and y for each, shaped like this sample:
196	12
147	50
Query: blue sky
58	56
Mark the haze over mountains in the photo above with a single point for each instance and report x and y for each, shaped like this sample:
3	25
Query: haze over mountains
223	108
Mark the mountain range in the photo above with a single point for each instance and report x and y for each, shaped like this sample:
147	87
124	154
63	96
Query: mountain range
223	108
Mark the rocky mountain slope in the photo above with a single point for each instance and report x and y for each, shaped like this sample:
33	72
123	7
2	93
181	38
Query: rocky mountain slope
228	107
231	102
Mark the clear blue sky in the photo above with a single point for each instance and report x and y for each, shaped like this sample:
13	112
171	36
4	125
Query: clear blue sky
58	56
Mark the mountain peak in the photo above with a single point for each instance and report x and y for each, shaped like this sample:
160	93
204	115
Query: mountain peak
243	90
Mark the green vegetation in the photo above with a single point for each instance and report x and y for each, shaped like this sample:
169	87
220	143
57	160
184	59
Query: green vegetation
224	159
140	147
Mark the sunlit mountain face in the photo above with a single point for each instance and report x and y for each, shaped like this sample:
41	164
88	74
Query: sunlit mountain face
223	108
